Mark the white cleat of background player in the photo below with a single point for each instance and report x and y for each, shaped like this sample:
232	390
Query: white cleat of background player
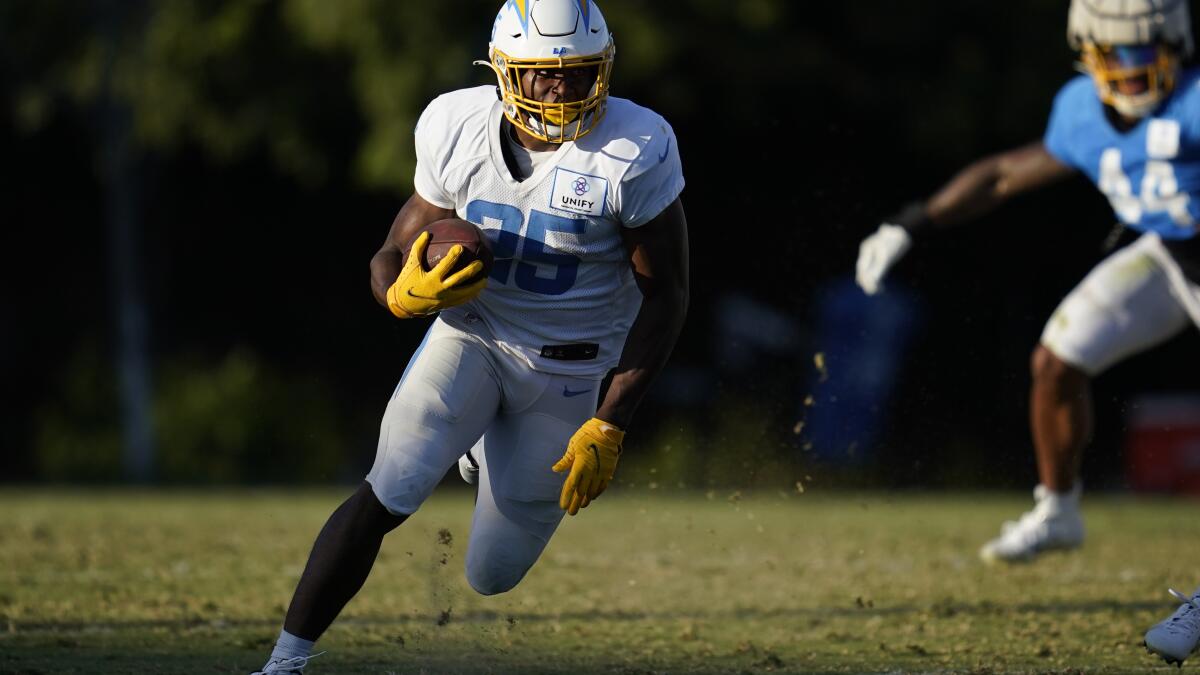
1175	637
1054	524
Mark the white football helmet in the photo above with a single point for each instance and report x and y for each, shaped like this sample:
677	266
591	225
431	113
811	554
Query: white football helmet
1131	48
551	35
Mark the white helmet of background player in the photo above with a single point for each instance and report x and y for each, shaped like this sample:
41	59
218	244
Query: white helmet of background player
551	34
1131	48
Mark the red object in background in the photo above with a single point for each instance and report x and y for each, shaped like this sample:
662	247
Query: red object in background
1162	444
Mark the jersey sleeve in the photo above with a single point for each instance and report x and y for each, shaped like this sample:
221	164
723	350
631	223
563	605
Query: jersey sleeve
1189	87
432	156
1059	131
653	181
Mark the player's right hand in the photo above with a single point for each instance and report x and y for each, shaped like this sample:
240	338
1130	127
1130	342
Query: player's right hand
878	253
420	293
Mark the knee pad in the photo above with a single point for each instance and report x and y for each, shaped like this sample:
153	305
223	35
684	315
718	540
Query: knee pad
489	574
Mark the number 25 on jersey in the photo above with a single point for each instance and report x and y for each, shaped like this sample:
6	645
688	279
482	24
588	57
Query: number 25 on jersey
534	253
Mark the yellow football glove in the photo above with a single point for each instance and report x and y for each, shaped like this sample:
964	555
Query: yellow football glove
591	456
420	293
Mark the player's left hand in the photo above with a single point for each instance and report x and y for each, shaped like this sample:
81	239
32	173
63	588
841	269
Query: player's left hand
591	457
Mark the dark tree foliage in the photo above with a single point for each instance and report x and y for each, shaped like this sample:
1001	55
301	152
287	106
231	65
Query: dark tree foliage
274	145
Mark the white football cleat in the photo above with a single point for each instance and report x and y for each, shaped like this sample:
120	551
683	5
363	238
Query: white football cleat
468	468
1175	637
1054	524
292	666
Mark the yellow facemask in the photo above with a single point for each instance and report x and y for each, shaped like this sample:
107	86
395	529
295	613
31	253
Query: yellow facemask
1149	68
552	122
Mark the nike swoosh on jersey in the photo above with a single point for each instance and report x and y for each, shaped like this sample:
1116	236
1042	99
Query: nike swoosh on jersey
568	393
663	157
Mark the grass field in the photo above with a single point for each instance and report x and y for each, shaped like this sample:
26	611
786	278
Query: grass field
643	582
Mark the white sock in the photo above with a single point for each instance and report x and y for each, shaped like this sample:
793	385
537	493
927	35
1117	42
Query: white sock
289	646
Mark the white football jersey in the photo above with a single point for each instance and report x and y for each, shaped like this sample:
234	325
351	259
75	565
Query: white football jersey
562	274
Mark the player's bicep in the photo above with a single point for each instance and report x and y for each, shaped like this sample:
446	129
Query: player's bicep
658	252
1029	167
389	260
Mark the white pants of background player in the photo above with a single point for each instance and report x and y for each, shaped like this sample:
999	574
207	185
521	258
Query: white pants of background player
1133	300
462	392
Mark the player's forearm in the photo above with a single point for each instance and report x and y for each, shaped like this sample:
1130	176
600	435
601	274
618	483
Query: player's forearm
973	192
387	263
385	267
986	184
647	348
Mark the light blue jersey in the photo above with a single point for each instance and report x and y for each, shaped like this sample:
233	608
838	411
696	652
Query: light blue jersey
1150	173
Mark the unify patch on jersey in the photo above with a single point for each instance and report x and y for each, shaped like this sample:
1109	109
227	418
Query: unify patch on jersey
578	193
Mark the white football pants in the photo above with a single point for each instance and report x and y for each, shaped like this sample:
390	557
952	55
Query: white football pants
462	392
1133	300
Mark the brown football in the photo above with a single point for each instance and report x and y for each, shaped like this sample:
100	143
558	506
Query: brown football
445	234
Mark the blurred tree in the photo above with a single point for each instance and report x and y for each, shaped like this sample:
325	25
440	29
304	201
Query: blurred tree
232	420
233	75
119	173
236	75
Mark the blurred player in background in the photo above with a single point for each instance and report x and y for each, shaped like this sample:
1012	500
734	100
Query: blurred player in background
1132	125
579	194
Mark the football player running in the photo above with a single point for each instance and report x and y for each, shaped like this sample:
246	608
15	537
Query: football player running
1132	125
579	194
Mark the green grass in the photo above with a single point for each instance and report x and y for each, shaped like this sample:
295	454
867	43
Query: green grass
640	583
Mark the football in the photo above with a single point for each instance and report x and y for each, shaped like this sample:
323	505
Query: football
445	234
